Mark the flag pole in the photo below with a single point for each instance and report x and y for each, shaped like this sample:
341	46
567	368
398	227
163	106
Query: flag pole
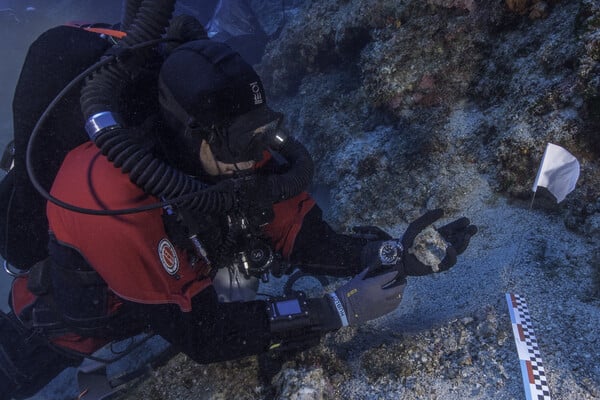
537	177
531	204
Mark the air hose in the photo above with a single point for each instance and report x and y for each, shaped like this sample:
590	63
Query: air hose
104	87
130	9
298	178
154	176
98	98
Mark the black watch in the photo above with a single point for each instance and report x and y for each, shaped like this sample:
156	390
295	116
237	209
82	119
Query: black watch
390	252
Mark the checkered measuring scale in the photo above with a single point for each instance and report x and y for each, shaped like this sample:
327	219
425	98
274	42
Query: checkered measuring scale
534	376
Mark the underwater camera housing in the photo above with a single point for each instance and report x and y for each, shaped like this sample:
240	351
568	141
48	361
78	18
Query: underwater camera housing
254	256
256	260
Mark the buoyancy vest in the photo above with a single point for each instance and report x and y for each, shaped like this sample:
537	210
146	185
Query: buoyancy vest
133	253
287	216
286	224
24	303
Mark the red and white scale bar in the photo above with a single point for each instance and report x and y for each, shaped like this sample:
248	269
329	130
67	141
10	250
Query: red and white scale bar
534	376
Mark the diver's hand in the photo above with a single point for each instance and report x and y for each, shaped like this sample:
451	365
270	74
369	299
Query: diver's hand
458	233
367	296
428	255
422	250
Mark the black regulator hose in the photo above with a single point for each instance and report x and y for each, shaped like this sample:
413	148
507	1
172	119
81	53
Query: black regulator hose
153	175
103	88
158	178
299	177
130	10
98	99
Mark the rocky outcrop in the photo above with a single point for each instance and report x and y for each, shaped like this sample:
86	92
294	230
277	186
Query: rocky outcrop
412	103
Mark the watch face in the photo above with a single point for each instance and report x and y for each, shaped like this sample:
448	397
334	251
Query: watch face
389	252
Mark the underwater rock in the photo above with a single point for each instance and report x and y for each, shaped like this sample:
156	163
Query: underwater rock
535	9
592	225
518	6
436	97
468	5
430	248
300	384
539	10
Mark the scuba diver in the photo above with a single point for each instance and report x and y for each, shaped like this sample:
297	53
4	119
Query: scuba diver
185	194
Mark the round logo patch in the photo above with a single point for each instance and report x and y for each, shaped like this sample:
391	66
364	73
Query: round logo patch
168	257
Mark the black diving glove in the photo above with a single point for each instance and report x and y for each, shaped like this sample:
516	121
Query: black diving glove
435	251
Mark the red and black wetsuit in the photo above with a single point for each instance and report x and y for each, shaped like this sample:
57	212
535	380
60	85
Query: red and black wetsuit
126	266
153	283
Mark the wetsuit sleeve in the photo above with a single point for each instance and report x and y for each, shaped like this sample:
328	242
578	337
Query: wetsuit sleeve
214	331
318	249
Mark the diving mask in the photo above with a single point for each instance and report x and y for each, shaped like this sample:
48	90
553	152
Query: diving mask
244	140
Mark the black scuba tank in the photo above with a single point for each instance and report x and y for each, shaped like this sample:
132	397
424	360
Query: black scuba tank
54	59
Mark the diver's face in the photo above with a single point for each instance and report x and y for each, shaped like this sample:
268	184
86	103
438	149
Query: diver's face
214	167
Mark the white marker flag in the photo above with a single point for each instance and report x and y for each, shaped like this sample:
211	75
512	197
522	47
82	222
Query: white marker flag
558	172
